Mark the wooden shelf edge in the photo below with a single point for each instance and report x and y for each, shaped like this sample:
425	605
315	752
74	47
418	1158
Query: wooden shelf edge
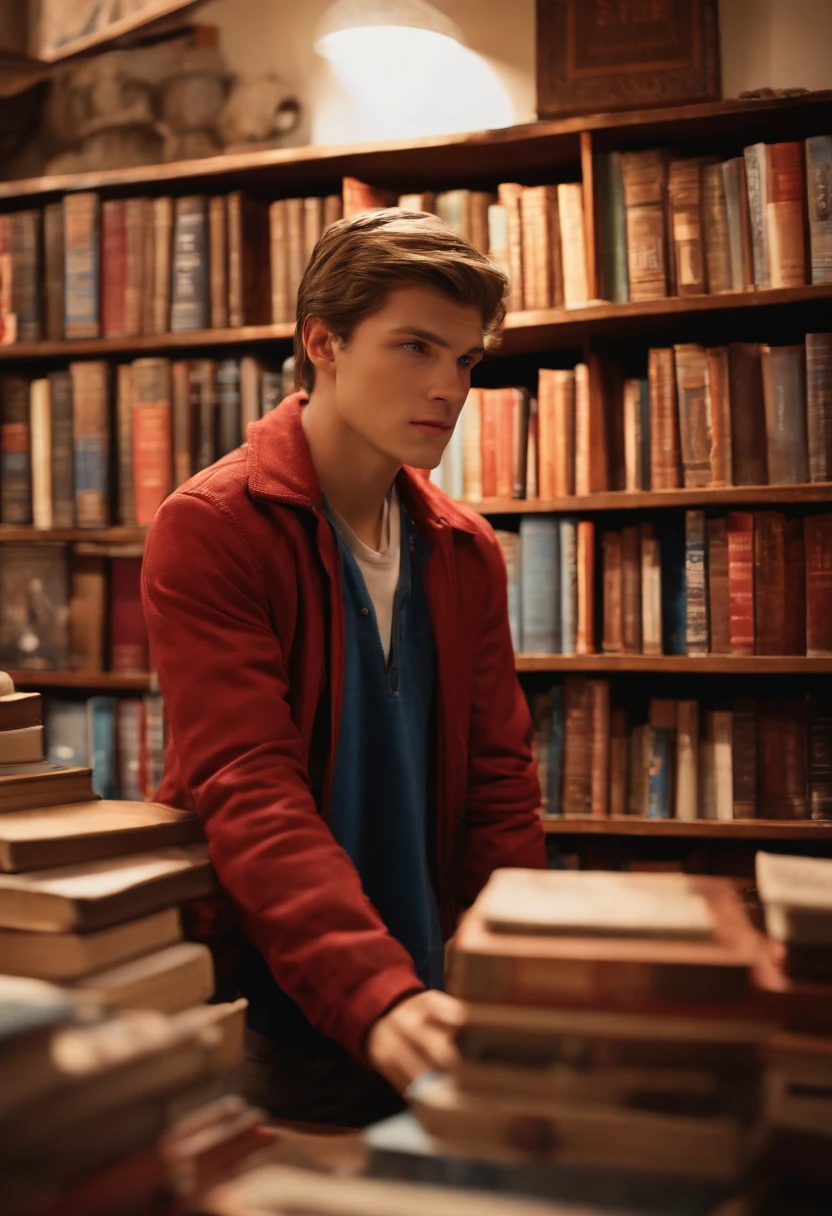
712	664
112	536
185	339
649	500
712	829
92	680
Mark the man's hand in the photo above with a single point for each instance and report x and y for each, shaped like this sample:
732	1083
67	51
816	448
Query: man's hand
415	1037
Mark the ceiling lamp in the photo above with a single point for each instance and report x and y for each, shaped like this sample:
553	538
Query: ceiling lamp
348	20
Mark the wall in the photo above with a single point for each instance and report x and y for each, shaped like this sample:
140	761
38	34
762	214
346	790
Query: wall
780	43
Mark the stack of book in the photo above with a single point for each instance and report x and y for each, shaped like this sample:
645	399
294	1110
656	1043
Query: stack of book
610	1026
679	759
744	414
683	227
103	1112
796	979
749	583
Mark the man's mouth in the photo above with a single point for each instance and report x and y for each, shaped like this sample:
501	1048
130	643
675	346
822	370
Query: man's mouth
431	428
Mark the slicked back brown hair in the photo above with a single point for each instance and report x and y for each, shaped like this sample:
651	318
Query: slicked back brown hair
359	261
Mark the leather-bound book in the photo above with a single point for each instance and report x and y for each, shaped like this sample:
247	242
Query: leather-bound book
645	177
786	213
818	536
684	188
717	232
748	419
664	421
819	405
740	533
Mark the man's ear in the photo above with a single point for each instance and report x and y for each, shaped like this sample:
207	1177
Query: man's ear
319	341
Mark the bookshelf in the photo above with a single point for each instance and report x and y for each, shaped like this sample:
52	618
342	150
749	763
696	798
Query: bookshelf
544	152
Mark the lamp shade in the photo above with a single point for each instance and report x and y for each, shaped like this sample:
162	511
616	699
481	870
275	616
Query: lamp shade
346	15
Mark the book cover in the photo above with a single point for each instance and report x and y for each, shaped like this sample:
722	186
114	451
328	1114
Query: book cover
203	379
795	551
784	398
556	433
659	777
471	423
781	752
577	747
744	758
687	760
599	785
15	450
151	434
585	577
696	584
740	537
313	222
510	545
556	733
489	439
720	731
633	438
41	428
819	195
480	201
739	224
645	183
27	274
619	748
87	612
684	188
674	597
114	267
531	489
82	299
281	303
820	757
135	210
748	417
228	406
128	632
67	737
148	277
53	271
218	265
101	724
719	401
756	177
34	607
540	594
162	247
573	250
819	405
538	219
664	422
631	589
249	258
770	582
190	276
63	473
717	233
786	213
498	243
695	427
651	592
251	372
124	441
612	225
568	548
818	534
718	596
131	760
613	597
518	412
509	195
91	432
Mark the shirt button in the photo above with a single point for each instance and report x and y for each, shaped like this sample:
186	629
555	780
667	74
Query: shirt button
365	611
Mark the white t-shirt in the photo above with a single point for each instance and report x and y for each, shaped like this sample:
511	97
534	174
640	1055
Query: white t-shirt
380	570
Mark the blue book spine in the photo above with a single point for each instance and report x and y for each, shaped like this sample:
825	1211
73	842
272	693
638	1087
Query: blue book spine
102	725
615	283
82	267
556	750
568	585
819	196
658	776
645	433
674	594
696	585
539	591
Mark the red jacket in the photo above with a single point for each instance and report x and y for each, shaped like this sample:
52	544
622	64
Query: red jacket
242	594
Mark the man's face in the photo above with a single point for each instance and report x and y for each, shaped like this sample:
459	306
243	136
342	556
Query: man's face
403	376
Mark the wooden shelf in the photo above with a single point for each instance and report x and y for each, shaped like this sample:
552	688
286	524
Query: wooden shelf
709	664
103	681
109	536
147	343
707	829
648	500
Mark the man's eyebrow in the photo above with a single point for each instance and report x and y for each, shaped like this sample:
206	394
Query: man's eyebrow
427	336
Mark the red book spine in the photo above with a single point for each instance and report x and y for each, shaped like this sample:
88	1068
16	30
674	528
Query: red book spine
818	534
152	476
740	528
489	438
128	633
114	268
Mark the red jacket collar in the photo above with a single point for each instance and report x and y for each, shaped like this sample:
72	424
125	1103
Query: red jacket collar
280	469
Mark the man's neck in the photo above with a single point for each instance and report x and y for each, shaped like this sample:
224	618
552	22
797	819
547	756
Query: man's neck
354	475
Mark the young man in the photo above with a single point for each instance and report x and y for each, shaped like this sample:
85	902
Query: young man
331	637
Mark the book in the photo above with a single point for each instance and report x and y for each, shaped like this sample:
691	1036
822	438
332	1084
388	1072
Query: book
26	243
664	424
568	583
249	290
190	276
661	754
63	459
81	273
53	271
818	535
686	244
228	407
785	213
34	607
250	376
739	224
744	759
556	433
819	405
313	220
577	746
748	418
615	284
756	176
134	285
651	592
674	589
67	737
719	401
613	597
542	267
740	544
599	782
619	744
128	632
498	242
510	545
651	967
471	423
631	589
41	440
151	437
87	612
114	268
539	595
218	262
818	173
573	250
124	444
16	451
148	275
19	710
784	397
696	584
42	784
130	743
634	471
64	957
509	195
695	427
716	230
91	432
585	578
769	582
687	760
89	831
819	759
23	746
169	980
781	755
101	729
645	175
795	893
531	489
720	732
97	894
161	250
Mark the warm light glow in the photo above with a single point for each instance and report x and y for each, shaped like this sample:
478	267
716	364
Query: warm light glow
405	82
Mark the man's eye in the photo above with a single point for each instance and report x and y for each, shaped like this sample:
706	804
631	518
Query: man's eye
416	347
466	361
